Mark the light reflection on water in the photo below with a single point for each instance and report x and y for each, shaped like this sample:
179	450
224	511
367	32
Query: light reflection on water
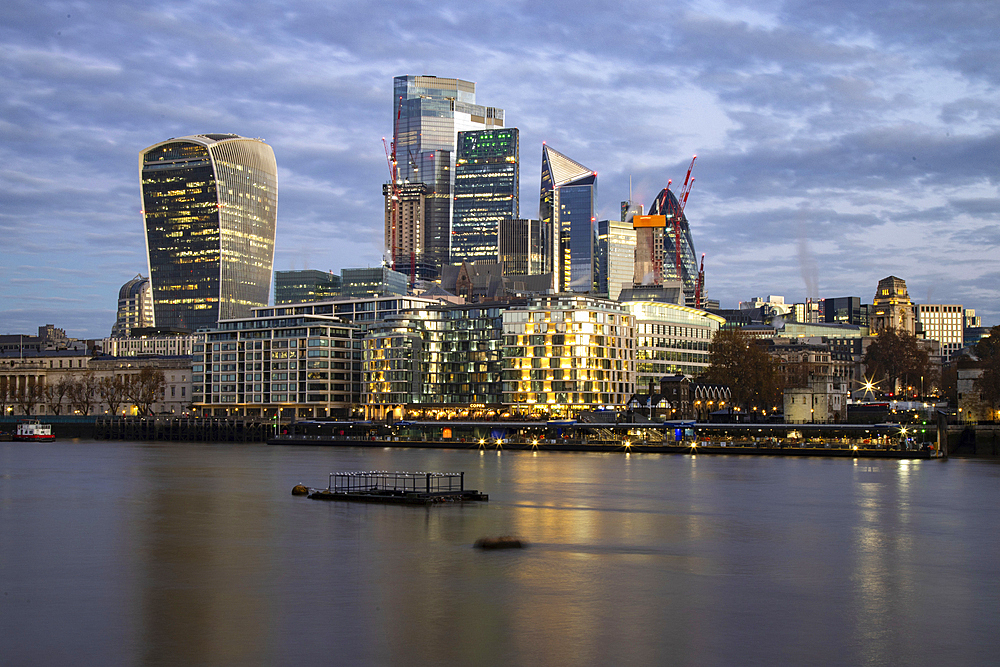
127	553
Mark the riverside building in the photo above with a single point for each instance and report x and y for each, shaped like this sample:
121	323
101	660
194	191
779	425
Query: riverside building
671	339
434	361
210	208
564	354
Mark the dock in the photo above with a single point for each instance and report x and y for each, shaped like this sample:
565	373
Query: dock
403	488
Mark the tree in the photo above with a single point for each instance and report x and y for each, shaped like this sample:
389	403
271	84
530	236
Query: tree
113	390
988	384
83	392
146	388
896	356
27	396
55	393
749	372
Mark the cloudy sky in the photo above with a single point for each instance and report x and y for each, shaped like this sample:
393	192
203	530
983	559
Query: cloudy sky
838	142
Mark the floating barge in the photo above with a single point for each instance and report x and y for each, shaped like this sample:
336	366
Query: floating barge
404	488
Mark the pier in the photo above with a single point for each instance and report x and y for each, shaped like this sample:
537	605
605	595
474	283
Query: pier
406	488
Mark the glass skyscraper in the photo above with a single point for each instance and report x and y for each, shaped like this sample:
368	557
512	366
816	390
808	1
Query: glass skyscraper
486	192
567	201
428	113
209	207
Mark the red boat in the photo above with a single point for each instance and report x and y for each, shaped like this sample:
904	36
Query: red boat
33	430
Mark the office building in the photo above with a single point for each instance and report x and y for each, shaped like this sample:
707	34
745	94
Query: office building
371	282
671	339
428	114
486	192
566	206
305	285
135	307
522	245
944	323
405	218
845	310
664	245
614	261
209	207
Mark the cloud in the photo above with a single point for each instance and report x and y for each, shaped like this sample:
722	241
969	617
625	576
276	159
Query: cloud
867	129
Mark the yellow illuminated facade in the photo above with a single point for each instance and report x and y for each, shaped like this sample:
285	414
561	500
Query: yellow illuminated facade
565	354
210	213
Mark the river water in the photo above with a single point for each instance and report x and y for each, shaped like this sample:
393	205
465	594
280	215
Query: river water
118	553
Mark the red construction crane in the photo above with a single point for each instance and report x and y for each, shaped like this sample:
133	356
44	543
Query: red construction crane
699	286
390	157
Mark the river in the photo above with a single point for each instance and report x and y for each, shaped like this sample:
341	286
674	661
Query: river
119	553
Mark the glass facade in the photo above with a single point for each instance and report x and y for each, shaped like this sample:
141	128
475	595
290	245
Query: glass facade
566	353
429	112
671	339
436	356
666	239
566	205
209	207
521	247
305	285
614	257
486	192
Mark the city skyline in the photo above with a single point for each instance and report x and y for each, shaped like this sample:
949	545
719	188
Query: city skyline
837	144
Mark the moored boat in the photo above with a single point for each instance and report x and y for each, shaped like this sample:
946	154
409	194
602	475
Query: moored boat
32	430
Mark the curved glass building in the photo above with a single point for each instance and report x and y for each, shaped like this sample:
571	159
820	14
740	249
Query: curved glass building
210	210
664	252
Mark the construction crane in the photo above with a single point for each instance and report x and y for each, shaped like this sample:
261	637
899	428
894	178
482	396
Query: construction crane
681	201
390	157
699	286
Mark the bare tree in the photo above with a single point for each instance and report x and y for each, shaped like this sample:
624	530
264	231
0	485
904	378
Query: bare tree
113	391
83	392
5	396
56	393
146	388
29	395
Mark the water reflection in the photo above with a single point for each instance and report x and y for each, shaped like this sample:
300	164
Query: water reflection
198	555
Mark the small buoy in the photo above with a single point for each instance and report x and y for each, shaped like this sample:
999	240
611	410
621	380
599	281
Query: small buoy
505	542
300	490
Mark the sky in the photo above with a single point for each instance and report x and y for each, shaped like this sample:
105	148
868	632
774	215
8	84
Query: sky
838	142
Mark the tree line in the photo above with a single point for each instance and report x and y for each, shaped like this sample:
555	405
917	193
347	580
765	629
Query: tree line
84	392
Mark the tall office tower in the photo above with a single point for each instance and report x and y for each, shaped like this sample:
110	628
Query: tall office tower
486	191
429	113
614	262
405	222
209	207
135	307
657	241
845	310
892	308
521	245
567	202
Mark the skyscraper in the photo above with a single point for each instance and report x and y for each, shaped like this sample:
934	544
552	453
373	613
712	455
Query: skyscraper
209	208
566	206
486	191
429	113
662	237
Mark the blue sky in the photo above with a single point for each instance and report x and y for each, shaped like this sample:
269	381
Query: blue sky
837	142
